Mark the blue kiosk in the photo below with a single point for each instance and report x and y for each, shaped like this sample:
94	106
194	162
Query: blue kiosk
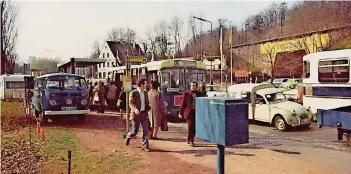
223	121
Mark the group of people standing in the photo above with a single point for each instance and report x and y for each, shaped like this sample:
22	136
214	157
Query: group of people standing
147	108
146	105
102	95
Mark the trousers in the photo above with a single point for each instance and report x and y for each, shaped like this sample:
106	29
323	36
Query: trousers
144	121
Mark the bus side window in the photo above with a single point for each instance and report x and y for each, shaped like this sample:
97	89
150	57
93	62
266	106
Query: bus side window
306	69
334	71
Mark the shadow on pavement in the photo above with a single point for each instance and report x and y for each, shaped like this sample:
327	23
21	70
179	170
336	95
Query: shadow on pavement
200	153
286	151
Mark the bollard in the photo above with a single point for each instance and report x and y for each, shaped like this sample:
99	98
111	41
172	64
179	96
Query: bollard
220	159
38	127
69	162
42	135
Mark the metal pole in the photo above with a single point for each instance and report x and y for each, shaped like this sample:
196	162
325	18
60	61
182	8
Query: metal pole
127	92
69	162
220	159
231	57
221	41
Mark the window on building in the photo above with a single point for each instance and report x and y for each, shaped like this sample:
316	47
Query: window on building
103	65
104	75
108	55
100	75
113	64
107	64
103	55
334	71
306	69
109	74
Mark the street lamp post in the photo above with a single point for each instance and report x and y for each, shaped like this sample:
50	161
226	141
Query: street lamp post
209	59
204	20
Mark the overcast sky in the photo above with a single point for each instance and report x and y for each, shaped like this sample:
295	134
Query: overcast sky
68	28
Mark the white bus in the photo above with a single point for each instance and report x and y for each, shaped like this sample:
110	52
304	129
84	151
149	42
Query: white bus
326	82
12	86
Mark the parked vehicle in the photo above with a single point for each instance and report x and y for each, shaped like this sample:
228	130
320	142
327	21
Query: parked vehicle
213	91
339	118
60	94
174	76
269	104
279	81
12	87
326	80
291	83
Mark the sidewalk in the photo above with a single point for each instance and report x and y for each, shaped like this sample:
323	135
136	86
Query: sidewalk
239	159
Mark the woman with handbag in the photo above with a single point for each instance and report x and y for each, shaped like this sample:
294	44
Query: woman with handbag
156	114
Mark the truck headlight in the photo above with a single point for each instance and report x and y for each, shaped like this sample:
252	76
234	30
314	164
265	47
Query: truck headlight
83	101
53	102
165	104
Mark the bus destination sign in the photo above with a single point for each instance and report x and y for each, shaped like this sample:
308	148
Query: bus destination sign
185	63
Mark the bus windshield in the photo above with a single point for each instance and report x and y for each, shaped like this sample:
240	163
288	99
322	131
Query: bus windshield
178	80
68	82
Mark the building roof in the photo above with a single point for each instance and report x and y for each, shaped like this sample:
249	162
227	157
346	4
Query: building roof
119	50
82	62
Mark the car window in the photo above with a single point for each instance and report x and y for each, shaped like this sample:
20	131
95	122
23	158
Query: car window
259	99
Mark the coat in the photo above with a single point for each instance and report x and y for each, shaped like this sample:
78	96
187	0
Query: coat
186	107
157	111
135	103
112	93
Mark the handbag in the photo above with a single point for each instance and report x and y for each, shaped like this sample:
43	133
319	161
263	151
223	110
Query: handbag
164	124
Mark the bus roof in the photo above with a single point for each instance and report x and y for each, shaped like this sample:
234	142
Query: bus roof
14	78
328	54
157	65
58	74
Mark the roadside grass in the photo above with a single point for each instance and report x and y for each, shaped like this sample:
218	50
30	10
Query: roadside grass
12	115
59	140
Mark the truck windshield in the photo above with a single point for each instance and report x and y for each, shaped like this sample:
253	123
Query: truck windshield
178	80
65	82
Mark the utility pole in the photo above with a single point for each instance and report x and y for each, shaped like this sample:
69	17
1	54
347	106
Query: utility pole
221	49
2	41
231	53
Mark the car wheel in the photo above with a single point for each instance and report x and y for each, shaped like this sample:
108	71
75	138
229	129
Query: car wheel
280	123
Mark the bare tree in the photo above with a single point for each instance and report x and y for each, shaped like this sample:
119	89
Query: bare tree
176	28
162	38
122	34
192	28
96	50
9	34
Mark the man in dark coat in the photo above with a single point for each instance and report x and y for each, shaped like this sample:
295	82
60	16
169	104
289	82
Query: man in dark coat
187	110
139	106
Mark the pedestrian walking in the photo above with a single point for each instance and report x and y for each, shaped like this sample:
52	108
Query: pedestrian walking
122	101
156	114
187	110
139	105
112	96
100	92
